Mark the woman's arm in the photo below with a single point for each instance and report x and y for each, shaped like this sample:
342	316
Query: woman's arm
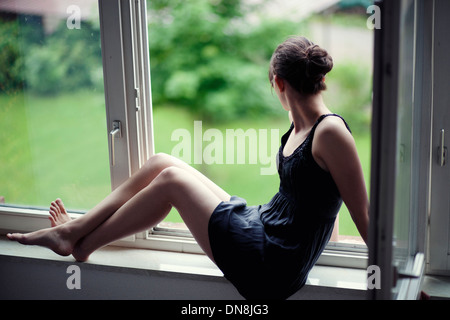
335	151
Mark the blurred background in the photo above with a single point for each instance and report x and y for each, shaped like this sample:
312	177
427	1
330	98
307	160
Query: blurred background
209	62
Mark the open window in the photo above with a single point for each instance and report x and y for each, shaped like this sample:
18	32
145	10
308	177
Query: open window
402	147
133	127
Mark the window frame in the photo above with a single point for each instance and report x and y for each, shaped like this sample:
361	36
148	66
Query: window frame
401	283
127	83
439	215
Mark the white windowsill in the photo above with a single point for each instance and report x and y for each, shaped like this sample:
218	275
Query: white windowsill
330	281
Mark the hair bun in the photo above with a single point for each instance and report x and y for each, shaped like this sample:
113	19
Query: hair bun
309	52
302	63
318	62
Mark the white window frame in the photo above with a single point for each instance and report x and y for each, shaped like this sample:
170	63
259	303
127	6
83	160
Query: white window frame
439	216
126	67
405	283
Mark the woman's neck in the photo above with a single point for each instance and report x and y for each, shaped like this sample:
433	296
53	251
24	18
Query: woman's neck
306	110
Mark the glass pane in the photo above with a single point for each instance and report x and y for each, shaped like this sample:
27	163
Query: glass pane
403	217
209	66
52	115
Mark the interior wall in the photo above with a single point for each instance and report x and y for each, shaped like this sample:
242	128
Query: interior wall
29	278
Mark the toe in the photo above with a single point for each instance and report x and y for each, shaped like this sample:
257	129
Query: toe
15	236
60	205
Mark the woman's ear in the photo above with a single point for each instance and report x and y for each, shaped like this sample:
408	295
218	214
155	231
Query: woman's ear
279	82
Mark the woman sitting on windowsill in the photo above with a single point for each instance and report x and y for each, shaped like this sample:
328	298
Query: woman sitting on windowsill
266	251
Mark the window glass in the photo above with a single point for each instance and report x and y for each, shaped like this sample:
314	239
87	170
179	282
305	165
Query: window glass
212	101
53	138
404	217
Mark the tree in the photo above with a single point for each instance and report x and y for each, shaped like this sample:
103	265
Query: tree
205	56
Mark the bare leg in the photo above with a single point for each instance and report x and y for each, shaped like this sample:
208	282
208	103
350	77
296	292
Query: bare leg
63	237
173	187
135	184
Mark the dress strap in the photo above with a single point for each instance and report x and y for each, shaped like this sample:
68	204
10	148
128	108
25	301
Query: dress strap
328	115
310	136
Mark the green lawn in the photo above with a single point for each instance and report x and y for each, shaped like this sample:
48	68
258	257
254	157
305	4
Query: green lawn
53	147
57	147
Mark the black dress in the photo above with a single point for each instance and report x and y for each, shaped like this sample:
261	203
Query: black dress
267	251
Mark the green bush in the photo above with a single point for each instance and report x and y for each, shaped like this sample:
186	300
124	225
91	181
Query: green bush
60	67
11	62
204	57
66	60
207	59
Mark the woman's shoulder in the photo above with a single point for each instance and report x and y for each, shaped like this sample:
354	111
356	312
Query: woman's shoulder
332	138
330	124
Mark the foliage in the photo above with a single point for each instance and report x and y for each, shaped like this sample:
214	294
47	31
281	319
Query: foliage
205	57
64	60
350	94
11	62
58	67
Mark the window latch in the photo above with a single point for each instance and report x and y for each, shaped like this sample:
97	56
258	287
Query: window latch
137	99
115	133
442	150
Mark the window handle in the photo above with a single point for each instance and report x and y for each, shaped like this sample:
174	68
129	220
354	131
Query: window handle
442	149
116	132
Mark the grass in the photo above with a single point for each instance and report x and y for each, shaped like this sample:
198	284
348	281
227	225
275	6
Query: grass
57	147
54	147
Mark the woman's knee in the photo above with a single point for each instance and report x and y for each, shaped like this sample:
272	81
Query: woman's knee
159	162
165	160
172	182
170	175
161	158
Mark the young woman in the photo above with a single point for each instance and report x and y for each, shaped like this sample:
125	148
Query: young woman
266	251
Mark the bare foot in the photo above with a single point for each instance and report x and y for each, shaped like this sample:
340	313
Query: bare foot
58	213
80	253
57	239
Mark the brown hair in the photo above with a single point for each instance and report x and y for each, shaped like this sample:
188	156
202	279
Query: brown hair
302	63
